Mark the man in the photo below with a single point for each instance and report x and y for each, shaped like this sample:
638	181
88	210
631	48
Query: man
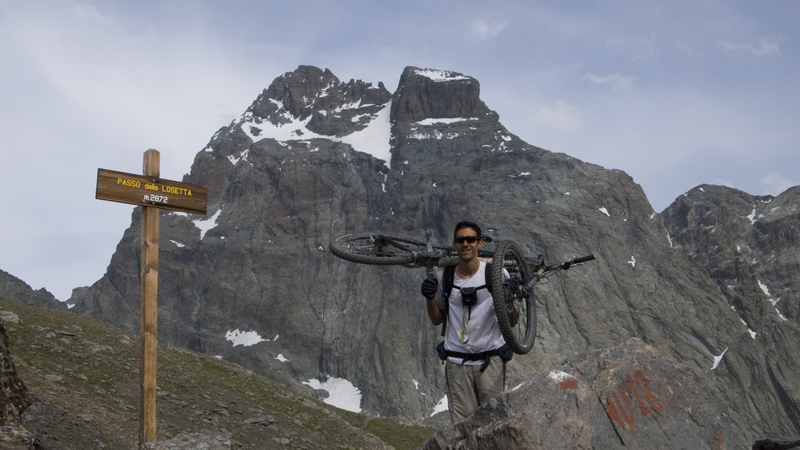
474	370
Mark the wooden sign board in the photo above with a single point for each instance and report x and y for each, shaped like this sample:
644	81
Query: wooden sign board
150	191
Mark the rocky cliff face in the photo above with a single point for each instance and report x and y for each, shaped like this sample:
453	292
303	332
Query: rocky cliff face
749	247
314	158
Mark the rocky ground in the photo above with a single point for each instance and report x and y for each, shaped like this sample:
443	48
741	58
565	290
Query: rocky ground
83	376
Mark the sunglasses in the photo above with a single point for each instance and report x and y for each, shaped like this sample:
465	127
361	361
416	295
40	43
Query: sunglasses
467	239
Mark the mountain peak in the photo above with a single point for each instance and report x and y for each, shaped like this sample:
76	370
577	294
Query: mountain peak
434	94
315	99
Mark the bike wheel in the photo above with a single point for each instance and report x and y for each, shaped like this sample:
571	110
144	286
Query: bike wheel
375	249
509	274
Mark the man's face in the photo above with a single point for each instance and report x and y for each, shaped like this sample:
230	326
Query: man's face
467	251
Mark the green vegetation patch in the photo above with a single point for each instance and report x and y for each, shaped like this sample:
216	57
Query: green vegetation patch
84	377
397	434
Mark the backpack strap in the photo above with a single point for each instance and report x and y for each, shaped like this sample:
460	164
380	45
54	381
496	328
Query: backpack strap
488	276
503	352
448	281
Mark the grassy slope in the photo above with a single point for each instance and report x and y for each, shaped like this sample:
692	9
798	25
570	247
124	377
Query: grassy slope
84	376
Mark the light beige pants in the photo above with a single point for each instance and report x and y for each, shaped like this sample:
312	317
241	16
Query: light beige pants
468	387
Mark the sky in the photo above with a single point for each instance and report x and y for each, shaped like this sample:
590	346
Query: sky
674	93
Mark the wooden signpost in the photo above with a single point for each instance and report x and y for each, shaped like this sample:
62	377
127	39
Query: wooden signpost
152	193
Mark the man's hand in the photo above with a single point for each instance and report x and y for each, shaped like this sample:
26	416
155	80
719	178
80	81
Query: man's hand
429	287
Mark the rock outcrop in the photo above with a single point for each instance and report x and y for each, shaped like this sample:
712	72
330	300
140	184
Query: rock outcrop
14	399
628	396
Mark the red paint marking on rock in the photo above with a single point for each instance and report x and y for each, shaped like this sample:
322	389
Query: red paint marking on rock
720	440
638	388
620	411
569	385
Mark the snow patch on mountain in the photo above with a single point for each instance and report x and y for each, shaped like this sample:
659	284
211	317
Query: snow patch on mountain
341	393
440	407
441	75
207	224
246	338
373	139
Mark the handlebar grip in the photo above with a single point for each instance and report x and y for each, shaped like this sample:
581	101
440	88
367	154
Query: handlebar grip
582	259
567	264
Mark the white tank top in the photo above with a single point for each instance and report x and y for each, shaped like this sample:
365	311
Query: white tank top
470	329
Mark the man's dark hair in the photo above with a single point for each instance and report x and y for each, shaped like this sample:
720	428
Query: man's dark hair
465	224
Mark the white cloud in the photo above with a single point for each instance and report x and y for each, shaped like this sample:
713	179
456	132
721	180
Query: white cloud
617	81
561	116
765	47
726	183
482	30
90	12
776	183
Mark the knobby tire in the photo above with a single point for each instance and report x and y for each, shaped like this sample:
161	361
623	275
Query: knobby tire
510	292
375	249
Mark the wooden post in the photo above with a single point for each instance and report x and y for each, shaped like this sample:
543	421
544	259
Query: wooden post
152	194
149	327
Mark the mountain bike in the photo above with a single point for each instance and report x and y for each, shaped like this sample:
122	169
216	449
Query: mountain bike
514	273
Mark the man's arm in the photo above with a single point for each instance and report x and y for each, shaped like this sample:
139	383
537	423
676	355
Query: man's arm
436	314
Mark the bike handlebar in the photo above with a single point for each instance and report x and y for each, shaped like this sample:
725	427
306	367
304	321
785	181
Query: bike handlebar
567	264
582	259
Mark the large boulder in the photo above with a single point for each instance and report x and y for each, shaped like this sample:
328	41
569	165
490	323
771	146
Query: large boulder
14	398
629	396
